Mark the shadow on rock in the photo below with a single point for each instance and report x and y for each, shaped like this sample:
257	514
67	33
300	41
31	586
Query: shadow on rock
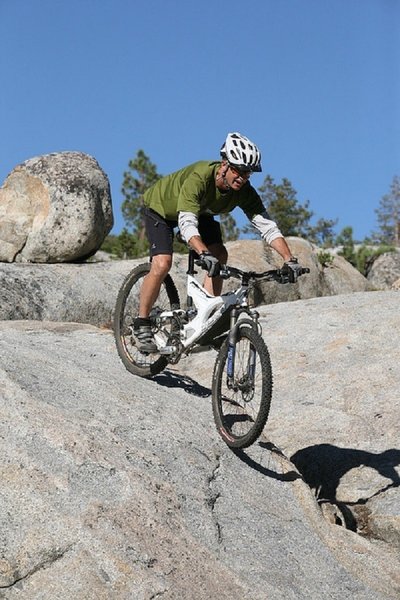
324	465
189	385
244	457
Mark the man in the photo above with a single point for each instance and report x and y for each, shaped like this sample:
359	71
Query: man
189	198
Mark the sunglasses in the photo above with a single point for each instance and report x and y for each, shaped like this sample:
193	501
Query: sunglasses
244	173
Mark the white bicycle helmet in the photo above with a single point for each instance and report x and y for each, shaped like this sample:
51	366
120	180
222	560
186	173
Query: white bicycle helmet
240	152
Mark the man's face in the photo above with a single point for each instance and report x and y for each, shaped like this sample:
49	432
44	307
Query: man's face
235	177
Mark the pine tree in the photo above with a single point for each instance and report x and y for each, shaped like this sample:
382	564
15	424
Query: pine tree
141	174
322	233
345	239
388	214
282	206
293	218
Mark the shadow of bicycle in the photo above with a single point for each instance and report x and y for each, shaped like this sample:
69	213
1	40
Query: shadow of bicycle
266	449
183	382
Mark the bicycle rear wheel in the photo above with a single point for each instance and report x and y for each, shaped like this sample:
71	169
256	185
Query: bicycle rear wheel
241	400
127	309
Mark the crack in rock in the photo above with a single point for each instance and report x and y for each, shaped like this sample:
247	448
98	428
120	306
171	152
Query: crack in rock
213	496
50	557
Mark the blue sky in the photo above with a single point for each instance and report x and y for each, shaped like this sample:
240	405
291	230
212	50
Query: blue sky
315	83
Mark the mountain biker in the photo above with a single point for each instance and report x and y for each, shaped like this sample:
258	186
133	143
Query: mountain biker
189	198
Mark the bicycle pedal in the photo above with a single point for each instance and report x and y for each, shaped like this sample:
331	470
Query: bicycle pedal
167	350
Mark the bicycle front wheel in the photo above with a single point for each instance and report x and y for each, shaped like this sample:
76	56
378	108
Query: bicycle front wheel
242	388
127	309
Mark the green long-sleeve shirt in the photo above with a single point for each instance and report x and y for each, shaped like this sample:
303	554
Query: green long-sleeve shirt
193	189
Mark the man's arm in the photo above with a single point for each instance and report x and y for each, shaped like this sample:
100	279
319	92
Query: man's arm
280	245
188	227
197	244
271	234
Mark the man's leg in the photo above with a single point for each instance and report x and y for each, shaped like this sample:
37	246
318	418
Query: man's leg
210	232
160	266
160	235
213	285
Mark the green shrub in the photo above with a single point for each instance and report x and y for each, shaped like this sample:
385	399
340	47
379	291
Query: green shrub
366	255
325	258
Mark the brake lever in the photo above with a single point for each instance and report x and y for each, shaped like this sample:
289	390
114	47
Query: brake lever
286	277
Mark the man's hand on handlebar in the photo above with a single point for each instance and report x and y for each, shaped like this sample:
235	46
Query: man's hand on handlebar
292	270
211	264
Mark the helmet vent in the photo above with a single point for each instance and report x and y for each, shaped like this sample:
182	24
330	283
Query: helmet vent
241	152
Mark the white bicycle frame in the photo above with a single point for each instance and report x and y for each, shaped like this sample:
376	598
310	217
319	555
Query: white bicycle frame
208	310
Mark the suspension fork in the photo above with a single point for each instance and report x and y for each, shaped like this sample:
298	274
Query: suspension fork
232	346
251	360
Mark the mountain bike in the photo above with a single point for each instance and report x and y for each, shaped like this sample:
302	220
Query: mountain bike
242	376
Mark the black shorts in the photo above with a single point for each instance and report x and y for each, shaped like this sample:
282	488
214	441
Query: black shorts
160	231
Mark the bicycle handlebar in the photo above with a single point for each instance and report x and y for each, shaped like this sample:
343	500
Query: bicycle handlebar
277	275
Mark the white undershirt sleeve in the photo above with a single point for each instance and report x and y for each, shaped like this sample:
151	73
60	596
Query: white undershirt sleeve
188	224
268	229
